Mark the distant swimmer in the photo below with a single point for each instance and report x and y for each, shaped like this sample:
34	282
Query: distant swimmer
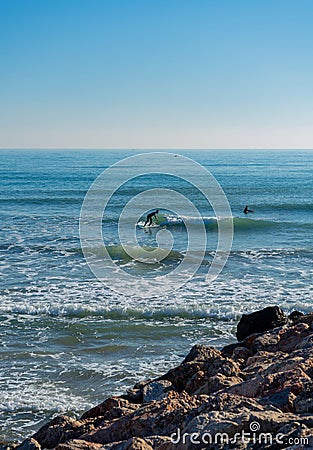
150	216
247	210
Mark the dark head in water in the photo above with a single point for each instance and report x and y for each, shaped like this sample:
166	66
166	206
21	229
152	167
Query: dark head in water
247	210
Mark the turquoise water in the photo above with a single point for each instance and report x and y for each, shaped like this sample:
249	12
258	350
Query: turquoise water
68	341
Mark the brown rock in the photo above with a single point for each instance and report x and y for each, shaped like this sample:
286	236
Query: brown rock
156	390
60	429
78	444
137	444
202	353
156	418
106	406
192	376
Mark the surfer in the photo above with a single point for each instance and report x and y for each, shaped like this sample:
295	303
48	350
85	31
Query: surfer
150	216
247	210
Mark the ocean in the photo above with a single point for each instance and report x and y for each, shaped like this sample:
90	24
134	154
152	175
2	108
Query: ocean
68	341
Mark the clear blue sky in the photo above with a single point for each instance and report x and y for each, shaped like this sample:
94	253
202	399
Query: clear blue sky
156	73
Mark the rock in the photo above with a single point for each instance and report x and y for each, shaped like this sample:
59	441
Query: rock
134	395
78	444
5	446
29	444
156	390
59	430
260	321
137	444
304	401
241	354
194	375
153	442
201	353
295	315
113	407
215	422
307	318
267	378
293	432
229	349
155	418
284	400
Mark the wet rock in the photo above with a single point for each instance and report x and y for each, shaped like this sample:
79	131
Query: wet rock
155	391
29	444
260	321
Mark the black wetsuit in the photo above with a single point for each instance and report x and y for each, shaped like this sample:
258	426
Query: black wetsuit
149	217
246	210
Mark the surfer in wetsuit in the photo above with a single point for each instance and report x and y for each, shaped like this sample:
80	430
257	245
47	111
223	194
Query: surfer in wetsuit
247	210
150	216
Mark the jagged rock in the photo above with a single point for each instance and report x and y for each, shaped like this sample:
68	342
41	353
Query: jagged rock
112	408
155	391
152	442
292	432
201	353
284	400
132	444
295	315
134	395
78	444
228	350
29	444
6	446
151	419
241	354
267	378
216	422
304	401
59	430
193	376
307	318
260	321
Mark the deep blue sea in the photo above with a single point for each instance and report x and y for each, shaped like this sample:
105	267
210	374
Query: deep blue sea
68	341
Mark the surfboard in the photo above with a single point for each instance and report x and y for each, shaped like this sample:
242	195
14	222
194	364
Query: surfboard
154	225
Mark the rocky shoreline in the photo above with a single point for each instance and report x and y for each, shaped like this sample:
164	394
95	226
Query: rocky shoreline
254	394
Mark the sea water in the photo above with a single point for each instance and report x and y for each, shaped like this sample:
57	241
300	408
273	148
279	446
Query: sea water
68	341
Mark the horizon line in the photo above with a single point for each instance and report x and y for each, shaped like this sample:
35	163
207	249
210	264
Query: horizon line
159	148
